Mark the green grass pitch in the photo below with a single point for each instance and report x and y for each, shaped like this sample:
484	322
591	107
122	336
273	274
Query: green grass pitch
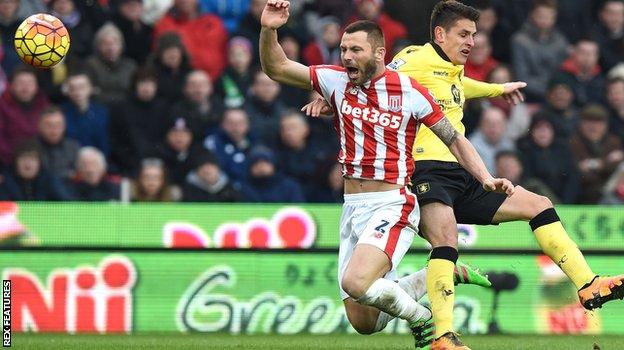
300	342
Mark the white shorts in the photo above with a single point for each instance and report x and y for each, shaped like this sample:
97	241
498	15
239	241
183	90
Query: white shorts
387	220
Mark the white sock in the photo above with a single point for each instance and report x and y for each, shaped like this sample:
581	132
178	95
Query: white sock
415	284
382	321
390	298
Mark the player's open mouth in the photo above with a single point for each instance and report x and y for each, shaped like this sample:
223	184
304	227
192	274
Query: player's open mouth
465	52
353	72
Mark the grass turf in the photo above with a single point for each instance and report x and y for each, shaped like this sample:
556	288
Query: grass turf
299	342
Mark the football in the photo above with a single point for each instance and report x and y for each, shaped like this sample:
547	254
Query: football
41	40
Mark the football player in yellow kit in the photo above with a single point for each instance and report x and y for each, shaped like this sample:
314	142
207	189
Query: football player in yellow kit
448	194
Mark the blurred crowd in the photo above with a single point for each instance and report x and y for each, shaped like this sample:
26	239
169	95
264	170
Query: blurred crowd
163	100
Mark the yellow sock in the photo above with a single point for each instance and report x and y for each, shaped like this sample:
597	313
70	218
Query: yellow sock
441	291
555	242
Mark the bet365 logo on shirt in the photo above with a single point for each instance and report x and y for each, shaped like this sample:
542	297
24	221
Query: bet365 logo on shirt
371	115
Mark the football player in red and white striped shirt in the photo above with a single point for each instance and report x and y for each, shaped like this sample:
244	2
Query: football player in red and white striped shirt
377	114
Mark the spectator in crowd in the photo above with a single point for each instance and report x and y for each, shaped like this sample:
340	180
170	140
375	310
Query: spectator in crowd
574	18
235	81
137	35
58	153
342	10
230	11
9	21
518	116
137	124
204	35
87	121
172	64
325	49
615	99
199	104
28	7
584	73
207	183
249	27
509	166
596	151
294	146
110	70
328	183
4	81
538	49
480	62
264	107
20	107
152	184
373	10
28	180
265	184
559	107
80	28
231	143
609	33
498	32
91	183
613	192
291	96
490	138
549	159
179	150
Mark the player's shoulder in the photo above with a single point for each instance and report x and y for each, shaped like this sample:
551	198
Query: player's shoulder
328	68
403	59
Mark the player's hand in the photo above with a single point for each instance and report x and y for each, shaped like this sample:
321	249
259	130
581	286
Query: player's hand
500	185
512	93
275	14
318	107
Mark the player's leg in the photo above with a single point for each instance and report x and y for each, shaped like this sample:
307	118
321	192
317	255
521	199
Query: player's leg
368	273
439	227
363	281
555	242
438	185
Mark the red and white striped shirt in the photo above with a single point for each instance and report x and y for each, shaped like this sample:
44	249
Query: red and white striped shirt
376	122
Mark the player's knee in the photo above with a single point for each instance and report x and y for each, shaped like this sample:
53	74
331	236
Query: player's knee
364	328
539	204
354	285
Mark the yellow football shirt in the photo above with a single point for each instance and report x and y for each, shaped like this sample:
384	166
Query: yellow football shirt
430	67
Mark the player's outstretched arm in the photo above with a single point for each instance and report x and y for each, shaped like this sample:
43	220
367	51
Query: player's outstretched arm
272	57
468	157
511	91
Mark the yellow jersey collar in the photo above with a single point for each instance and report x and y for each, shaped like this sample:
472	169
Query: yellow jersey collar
440	52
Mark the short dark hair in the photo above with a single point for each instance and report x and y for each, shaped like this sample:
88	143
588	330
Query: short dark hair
373	31
506	153
446	13
544	3
51	109
22	69
27	147
614	80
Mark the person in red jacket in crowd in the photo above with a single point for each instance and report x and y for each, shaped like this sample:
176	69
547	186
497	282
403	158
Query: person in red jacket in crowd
326	48
204	35
480	62
372	11
20	107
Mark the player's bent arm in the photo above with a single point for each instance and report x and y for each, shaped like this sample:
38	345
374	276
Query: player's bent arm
462	149
477	89
277	66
